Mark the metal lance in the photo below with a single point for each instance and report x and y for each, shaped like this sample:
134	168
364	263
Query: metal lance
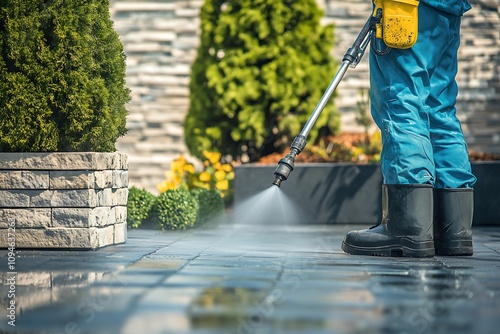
351	59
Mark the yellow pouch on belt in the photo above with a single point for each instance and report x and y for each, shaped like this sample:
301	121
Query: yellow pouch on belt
399	25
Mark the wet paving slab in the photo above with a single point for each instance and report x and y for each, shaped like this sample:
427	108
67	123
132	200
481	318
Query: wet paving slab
244	278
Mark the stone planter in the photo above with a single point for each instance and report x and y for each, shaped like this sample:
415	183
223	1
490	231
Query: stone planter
343	193
64	200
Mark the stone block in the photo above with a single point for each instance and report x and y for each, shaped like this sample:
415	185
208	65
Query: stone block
120	196
77	238
45	161
51	238
103	179
100	237
120	233
106	161
26	218
104	197
66	179
63	161
111	219
14	199
120	179
72	217
120	214
78	198
83	217
25	179
100	216
112	197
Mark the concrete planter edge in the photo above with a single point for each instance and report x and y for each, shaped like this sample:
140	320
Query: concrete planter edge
344	193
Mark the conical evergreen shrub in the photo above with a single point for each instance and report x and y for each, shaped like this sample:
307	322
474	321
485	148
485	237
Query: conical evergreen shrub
261	68
62	71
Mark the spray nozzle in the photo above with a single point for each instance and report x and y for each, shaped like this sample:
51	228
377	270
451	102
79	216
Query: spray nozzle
285	167
286	164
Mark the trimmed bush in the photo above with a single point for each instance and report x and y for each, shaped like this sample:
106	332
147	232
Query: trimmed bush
62	71
139	206
261	68
210	203
175	209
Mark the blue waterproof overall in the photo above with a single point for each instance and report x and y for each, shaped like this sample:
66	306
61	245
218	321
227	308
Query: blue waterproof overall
413	94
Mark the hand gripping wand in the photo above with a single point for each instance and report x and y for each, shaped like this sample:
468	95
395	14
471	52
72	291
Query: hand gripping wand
351	59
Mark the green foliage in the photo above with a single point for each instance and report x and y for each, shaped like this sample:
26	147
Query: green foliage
175	209
211	204
261	68
139	206
62	70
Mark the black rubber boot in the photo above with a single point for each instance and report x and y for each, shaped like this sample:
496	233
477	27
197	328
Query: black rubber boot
406	227
453	221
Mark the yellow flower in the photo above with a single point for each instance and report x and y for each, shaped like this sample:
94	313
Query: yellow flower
222	185
213	157
166	185
178	163
189	168
220	175
356	151
162	187
230	175
170	175
227	168
204	176
217	165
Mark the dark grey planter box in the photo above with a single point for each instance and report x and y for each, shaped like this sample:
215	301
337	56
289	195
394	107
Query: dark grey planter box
343	193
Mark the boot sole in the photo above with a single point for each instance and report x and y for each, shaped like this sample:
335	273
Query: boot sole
454	248
407	248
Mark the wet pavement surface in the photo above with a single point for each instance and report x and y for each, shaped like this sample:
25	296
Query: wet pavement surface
244	278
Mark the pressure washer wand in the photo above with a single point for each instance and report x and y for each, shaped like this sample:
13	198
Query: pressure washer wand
351	59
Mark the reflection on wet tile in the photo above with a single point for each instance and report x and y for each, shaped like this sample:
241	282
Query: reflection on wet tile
157	321
33	289
158	264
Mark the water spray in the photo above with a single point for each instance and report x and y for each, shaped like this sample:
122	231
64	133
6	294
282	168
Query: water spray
351	59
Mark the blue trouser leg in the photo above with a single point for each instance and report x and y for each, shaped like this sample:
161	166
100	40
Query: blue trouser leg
413	94
451	159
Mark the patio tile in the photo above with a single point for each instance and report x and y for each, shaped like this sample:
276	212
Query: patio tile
240	279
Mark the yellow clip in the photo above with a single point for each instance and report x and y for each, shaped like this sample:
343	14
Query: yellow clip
378	26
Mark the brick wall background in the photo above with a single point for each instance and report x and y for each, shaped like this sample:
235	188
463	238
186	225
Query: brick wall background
160	39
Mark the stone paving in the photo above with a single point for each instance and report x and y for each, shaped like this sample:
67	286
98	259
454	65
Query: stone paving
246	278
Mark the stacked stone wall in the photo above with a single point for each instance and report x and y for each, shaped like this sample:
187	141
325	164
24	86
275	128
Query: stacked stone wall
63	200
160	40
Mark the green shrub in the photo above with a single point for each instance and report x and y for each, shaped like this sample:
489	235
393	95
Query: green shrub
62	71
261	68
175	209
211	204
139	206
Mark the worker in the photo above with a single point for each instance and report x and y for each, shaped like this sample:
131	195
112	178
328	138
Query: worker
427	191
